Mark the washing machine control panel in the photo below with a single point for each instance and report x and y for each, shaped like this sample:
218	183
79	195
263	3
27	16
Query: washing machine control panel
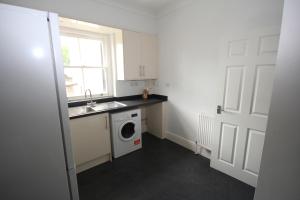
134	115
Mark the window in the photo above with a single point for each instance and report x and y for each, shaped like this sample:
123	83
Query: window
86	61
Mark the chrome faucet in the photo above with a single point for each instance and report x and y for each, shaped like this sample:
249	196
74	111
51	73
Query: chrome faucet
91	103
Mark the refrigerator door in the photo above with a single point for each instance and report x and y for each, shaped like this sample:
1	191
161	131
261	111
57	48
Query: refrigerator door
63	103
33	163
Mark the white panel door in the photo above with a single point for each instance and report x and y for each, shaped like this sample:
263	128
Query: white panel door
246	80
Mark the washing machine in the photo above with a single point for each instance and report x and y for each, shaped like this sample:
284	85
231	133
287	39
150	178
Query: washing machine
126	132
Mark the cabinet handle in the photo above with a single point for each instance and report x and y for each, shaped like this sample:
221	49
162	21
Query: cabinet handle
106	126
143	70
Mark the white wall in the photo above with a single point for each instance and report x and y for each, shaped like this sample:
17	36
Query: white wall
189	42
127	88
279	176
188	36
95	11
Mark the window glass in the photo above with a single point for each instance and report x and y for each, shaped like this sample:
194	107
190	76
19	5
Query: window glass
74	82
70	51
91	52
83	62
94	79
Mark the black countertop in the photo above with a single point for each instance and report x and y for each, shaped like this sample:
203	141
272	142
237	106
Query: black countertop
77	109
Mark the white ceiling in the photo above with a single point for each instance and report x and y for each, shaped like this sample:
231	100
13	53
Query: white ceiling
149	6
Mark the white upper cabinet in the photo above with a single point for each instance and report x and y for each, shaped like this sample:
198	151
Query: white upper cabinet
132	45
140	56
149	56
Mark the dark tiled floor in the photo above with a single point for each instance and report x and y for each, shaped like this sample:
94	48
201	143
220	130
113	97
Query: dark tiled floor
162	170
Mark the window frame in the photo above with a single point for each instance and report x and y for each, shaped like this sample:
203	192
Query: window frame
106	62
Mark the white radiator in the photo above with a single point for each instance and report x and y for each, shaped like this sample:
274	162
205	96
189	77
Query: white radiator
205	131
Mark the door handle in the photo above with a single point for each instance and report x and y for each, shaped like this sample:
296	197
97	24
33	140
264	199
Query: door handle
219	109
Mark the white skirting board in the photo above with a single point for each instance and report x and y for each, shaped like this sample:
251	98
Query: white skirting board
188	144
93	163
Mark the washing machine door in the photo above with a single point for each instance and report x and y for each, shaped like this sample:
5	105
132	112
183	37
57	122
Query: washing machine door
127	131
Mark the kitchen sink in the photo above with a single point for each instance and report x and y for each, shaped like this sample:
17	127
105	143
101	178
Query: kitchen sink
107	106
80	110
88	109
98	107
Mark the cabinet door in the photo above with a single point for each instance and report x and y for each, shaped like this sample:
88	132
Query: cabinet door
132	55
90	138
149	56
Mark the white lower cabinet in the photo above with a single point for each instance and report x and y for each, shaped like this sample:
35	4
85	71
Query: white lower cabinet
91	143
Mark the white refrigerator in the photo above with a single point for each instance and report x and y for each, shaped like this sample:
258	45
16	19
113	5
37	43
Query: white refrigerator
36	161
